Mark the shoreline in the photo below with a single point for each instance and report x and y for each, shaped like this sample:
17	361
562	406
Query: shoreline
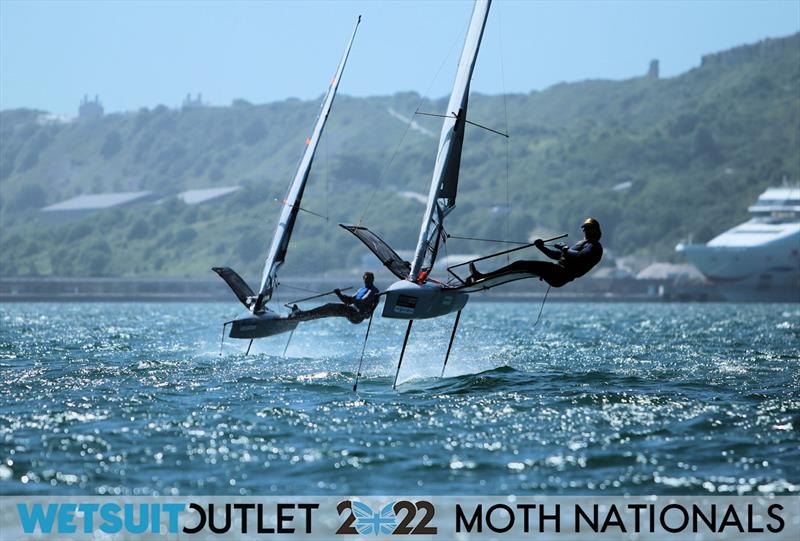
173	289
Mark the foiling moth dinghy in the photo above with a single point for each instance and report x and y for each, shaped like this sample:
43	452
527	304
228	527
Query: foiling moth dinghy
259	321
415	295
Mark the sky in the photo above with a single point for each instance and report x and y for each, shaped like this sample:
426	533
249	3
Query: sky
142	54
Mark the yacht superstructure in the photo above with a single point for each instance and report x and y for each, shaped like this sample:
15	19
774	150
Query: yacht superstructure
761	255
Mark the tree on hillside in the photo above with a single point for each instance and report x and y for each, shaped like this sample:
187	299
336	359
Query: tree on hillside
706	147
34	147
6	164
139	230
95	260
254	132
29	196
111	145
355	168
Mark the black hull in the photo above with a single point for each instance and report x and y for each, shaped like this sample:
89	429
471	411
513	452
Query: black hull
261	327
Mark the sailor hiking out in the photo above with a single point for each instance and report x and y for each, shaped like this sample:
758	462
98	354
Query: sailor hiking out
356	308
573	262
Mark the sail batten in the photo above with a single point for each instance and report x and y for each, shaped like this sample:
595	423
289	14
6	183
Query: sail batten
444	183
283	232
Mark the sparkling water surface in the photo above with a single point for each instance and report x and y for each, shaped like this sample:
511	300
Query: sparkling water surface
597	398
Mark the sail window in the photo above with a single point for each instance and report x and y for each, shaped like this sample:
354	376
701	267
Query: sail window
396	264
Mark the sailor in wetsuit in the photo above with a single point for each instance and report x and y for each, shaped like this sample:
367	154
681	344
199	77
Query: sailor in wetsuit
573	262
356	308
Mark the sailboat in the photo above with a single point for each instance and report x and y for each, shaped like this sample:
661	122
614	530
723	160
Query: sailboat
416	295
259	320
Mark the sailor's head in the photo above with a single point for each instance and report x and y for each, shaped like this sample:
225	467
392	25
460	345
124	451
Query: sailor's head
369	278
591	229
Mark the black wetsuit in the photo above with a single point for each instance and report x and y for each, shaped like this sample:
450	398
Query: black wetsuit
572	263
356	308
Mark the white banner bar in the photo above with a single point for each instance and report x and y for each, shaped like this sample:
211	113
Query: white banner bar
394	517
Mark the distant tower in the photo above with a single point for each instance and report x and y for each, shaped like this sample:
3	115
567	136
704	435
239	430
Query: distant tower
192	103
652	73
90	109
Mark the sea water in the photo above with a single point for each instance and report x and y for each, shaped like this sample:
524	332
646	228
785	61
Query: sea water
595	399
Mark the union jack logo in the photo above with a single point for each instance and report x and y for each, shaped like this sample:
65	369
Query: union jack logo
369	522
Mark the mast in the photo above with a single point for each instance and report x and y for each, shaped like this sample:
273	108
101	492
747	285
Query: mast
444	184
288	217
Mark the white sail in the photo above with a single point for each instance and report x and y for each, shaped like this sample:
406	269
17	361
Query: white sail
286	222
444	184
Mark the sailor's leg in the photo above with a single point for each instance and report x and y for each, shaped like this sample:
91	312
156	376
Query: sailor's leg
332	309
517	266
522	265
554	275
354	316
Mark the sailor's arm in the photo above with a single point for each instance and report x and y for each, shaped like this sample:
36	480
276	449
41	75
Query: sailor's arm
347	299
549	252
571	254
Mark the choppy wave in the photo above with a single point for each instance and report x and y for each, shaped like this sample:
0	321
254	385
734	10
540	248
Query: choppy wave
607	398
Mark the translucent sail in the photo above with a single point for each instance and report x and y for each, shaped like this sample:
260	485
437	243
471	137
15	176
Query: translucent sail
444	184
288	217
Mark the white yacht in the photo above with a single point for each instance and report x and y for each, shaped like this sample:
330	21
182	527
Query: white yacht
759	259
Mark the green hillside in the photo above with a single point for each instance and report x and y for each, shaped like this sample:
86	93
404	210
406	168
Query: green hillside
696	149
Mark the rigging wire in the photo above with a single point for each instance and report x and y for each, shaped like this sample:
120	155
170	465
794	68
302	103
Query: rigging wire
385	170
453	115
327	213
444	235
542	308
487	240
505	113
383	175
285	203
298	288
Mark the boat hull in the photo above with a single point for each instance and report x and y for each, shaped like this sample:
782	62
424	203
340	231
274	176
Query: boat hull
262	325
760	258
769	266
407	300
